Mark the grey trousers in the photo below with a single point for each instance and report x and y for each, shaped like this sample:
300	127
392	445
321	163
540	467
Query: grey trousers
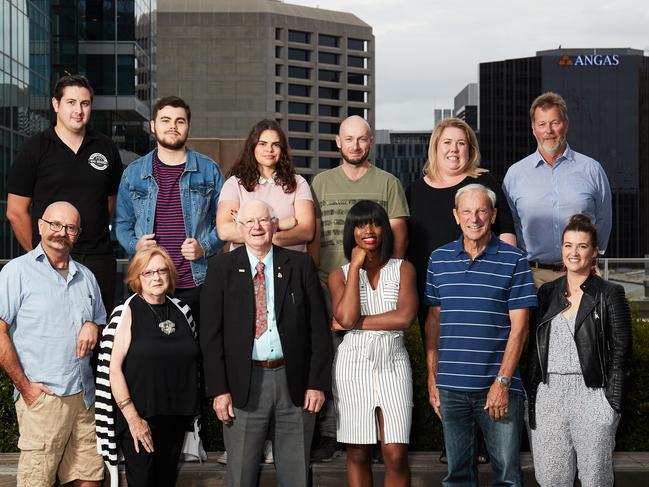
291	429
575	429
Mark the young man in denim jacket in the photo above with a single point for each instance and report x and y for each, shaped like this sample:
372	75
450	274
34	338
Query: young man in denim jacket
169	197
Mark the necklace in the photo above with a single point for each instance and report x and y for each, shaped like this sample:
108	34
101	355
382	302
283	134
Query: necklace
167	326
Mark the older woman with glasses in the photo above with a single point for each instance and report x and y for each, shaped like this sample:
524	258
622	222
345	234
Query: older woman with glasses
148	369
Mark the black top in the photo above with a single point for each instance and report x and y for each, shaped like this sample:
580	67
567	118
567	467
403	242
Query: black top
46	170
161	370
432	224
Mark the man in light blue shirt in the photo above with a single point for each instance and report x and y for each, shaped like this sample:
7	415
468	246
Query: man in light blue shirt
549	186
50	309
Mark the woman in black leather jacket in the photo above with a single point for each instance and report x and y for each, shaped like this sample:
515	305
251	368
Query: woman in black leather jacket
579	355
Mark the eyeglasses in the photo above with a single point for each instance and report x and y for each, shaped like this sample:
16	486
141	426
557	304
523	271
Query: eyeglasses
161	272
58	226
264	222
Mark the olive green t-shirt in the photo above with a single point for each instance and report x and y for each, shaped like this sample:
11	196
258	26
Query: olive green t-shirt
334	194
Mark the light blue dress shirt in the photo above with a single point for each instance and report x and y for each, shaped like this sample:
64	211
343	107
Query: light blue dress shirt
268	346
45	313
543	197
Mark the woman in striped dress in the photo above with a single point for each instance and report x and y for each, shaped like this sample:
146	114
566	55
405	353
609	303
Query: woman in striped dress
374	299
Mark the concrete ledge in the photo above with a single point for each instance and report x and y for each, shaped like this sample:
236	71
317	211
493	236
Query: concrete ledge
631	470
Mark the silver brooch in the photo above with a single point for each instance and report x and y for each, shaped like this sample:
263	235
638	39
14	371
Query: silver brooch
167	326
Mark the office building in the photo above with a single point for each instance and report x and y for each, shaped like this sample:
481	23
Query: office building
237	62
440	114
24	89
402	153
465	105
607	92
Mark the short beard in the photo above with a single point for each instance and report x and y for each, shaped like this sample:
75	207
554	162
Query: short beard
175	146
555	148
355	162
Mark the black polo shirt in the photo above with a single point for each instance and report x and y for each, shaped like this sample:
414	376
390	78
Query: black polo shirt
46	170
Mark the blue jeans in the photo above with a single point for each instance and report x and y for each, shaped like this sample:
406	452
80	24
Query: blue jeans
460	412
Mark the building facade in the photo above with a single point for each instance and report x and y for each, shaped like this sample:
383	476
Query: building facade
237	62
465	105
402	153
607	92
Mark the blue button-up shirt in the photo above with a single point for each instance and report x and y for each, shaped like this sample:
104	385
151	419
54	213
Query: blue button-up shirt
45	313
543	197
268	346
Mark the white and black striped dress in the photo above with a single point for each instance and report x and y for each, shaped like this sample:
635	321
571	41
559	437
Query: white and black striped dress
372	370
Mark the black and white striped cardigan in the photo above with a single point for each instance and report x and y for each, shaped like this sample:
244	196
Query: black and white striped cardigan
104	403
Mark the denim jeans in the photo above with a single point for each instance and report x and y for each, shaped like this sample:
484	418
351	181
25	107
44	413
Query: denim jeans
460	412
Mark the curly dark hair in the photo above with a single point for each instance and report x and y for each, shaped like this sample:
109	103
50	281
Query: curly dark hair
246	166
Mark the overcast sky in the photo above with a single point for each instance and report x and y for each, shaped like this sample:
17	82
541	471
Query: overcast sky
428	50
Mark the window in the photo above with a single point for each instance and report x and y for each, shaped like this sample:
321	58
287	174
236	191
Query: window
329	41
299	36
125	74
357	96
328	127
327	75
299	126
278	51
278	70
299	108
328	110
329	93
301	73
278	34
298	143
278	106
357	79
298	54
327	145
328	162
361	112
328	58
299	90
357	44
301	161
356	62
278	88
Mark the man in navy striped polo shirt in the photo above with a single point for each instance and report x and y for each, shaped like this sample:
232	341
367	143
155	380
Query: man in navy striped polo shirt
479	291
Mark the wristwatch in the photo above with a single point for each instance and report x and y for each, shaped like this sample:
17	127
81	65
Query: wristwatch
504	381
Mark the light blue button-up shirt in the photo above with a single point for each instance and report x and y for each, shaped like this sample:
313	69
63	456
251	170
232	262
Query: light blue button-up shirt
45	313
543	197
268	346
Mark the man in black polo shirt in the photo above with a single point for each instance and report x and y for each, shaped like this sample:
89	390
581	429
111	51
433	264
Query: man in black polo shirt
69	162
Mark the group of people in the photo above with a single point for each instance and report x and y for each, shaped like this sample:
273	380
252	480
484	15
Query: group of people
298	328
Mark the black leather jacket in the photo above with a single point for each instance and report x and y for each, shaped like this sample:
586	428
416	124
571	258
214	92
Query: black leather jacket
602	334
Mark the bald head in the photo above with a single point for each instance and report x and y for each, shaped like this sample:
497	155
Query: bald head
59	228
354	140
62	211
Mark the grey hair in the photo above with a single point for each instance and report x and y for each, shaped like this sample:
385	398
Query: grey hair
476	187
271	212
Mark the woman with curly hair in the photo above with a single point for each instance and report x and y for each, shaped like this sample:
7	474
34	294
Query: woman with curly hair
264	171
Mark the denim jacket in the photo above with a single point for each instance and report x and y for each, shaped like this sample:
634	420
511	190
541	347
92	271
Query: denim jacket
200	186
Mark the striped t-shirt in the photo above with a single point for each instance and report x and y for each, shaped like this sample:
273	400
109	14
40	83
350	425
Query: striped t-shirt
475	297
169	224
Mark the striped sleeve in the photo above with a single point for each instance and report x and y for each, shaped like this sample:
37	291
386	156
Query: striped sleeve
522	293
431	298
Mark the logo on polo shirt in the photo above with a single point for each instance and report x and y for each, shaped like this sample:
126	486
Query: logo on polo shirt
98	161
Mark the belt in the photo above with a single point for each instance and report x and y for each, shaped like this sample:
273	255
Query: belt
268	364
556	267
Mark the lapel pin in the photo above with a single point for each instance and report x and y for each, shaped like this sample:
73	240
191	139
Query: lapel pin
279	275
242	270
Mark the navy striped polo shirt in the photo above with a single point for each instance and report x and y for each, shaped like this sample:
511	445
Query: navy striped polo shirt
475	297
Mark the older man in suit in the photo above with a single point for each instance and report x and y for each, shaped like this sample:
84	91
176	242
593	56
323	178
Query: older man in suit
266	348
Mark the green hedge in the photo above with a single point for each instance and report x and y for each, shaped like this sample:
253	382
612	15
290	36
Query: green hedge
633	433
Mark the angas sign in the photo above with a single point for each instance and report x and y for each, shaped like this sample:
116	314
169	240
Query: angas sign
590	60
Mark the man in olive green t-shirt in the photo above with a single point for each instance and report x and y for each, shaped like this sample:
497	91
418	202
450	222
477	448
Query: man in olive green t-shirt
334	192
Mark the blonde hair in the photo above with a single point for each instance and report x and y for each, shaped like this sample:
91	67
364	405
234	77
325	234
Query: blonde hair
472	167
139	262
